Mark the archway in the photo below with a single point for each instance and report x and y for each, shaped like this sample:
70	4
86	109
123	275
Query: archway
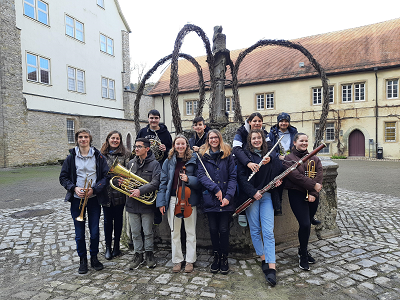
356	143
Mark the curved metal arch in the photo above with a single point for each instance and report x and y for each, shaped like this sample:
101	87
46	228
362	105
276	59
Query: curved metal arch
153	69
314	63
174	79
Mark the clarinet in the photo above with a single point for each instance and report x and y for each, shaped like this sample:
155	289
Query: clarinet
272	183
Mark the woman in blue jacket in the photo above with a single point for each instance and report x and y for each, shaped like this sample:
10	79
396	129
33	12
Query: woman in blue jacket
171	177
218	177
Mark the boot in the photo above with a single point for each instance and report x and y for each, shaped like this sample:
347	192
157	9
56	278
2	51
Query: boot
270	274
94	262
150	261
107	254
311	260
116	252
137	261
224	264
216	264
83	265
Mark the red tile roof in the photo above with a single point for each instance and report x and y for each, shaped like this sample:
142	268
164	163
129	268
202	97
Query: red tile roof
355	49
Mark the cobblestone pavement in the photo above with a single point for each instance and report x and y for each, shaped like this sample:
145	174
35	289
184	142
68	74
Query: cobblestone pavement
38	261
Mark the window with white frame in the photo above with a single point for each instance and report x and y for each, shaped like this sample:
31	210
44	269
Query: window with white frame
38	68
390	131
392	89
229	104
71	131
353	92
329	131
76	80
100	3
317	95
37	10
265	101
191	107
107	88
106	44
73	28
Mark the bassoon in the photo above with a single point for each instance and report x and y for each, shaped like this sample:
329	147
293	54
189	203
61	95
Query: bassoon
272	183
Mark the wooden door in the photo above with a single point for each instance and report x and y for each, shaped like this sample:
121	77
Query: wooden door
356	143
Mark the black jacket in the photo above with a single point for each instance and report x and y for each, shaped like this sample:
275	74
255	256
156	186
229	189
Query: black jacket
148	170
268	172
68	176
196	141
162	134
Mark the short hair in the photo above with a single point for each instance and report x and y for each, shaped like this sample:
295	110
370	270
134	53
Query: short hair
80	130
154	112
145	141
197	120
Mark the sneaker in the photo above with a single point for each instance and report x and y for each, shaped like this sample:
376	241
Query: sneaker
315	222
95	264
137	261
83	265
189	268
177	268
311	259
303	263
242	220
224	264
150	261
216	264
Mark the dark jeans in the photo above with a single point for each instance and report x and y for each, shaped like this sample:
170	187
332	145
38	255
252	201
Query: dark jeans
219	230
304	212
93	215
113	219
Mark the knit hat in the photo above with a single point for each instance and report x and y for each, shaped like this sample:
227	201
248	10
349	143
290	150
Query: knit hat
283	116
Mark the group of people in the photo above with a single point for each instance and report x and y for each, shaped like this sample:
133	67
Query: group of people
204	171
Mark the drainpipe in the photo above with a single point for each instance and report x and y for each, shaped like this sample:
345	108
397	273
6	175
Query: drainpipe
376	111
163	107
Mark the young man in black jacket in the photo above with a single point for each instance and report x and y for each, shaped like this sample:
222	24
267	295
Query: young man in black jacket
84	174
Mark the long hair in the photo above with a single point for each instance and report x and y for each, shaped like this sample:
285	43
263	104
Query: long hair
225	148
188	152
264	146
105	148
253	115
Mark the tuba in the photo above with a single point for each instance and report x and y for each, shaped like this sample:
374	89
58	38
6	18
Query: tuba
129	182
154	147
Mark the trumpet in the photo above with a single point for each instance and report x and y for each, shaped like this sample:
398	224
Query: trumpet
84	200
129	182
310	172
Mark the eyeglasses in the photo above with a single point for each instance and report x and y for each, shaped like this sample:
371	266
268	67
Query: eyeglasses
213	138
138	146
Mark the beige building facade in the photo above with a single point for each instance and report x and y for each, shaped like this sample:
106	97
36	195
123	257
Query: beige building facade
363	70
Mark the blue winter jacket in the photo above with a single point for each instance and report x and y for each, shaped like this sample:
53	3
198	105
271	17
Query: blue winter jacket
223	174
68	176
273	137
167	177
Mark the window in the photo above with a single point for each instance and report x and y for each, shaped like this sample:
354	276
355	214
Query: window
191	107
356	90
37	10
71	131
100	3
329	131
76	80
392	89
73	28
265	101
38	68
106	44
317	95
107	88
229	104
390	131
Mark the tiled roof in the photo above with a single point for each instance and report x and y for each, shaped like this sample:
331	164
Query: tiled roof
355	49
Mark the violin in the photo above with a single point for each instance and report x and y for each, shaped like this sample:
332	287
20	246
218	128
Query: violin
183	209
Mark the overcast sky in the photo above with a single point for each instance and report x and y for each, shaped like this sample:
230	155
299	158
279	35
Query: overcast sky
155	24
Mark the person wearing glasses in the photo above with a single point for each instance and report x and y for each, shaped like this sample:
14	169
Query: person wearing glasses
218	177
141	215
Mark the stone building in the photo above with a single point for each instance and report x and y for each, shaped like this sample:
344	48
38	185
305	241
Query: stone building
363	68
63	65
